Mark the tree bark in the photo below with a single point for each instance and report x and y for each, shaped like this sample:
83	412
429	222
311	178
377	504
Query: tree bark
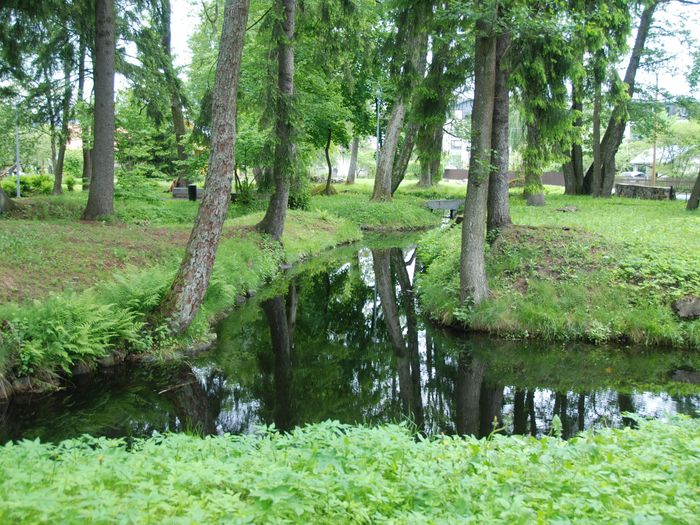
431	158
327	151
64	134
175	91
84	134
388	175
498	212
352	170
101	196
597	181
695	195
473	282
615	130
276	214
382	180
573	169
181	303
534	191
404	156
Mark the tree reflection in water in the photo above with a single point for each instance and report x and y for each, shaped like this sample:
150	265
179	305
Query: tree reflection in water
345	341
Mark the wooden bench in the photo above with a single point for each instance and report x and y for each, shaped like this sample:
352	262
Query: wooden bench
445	204
639	191
182	193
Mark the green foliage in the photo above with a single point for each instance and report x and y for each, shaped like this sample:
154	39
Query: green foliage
330	473
144	148
73	165
29	185
57	333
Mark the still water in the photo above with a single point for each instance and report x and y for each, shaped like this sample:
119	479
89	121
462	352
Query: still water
342	338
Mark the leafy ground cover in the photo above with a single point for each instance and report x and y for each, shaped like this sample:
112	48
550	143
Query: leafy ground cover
606	272
328	473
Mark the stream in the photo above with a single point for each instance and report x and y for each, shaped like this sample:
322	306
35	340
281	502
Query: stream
341	337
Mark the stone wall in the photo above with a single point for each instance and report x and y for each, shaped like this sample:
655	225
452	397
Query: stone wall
637	191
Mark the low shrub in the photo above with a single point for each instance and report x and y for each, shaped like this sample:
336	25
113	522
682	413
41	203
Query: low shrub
29	185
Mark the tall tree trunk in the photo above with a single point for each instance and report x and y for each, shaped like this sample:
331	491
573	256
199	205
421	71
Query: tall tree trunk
175	90
352	170
327	151
388	176
431	158
473	283
573	169
615	131
411	127
182	302
532	166
498	214
276	214
695	195
64	134
382	180
404	156
101	197
597	181
84	133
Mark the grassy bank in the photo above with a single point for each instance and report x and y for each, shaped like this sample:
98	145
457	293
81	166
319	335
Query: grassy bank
328	473
607	272
405	212
74	293
43	337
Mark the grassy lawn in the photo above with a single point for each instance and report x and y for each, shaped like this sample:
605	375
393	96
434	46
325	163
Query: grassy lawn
606	272
328	473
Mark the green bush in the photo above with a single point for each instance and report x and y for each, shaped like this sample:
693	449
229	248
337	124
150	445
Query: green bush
73	164
29	185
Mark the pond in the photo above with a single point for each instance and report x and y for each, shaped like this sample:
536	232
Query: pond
341	337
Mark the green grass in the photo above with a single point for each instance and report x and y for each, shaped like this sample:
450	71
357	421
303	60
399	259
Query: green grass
329	473
605	273
75	292
405	212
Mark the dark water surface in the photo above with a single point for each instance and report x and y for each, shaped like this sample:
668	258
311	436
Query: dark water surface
341	338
